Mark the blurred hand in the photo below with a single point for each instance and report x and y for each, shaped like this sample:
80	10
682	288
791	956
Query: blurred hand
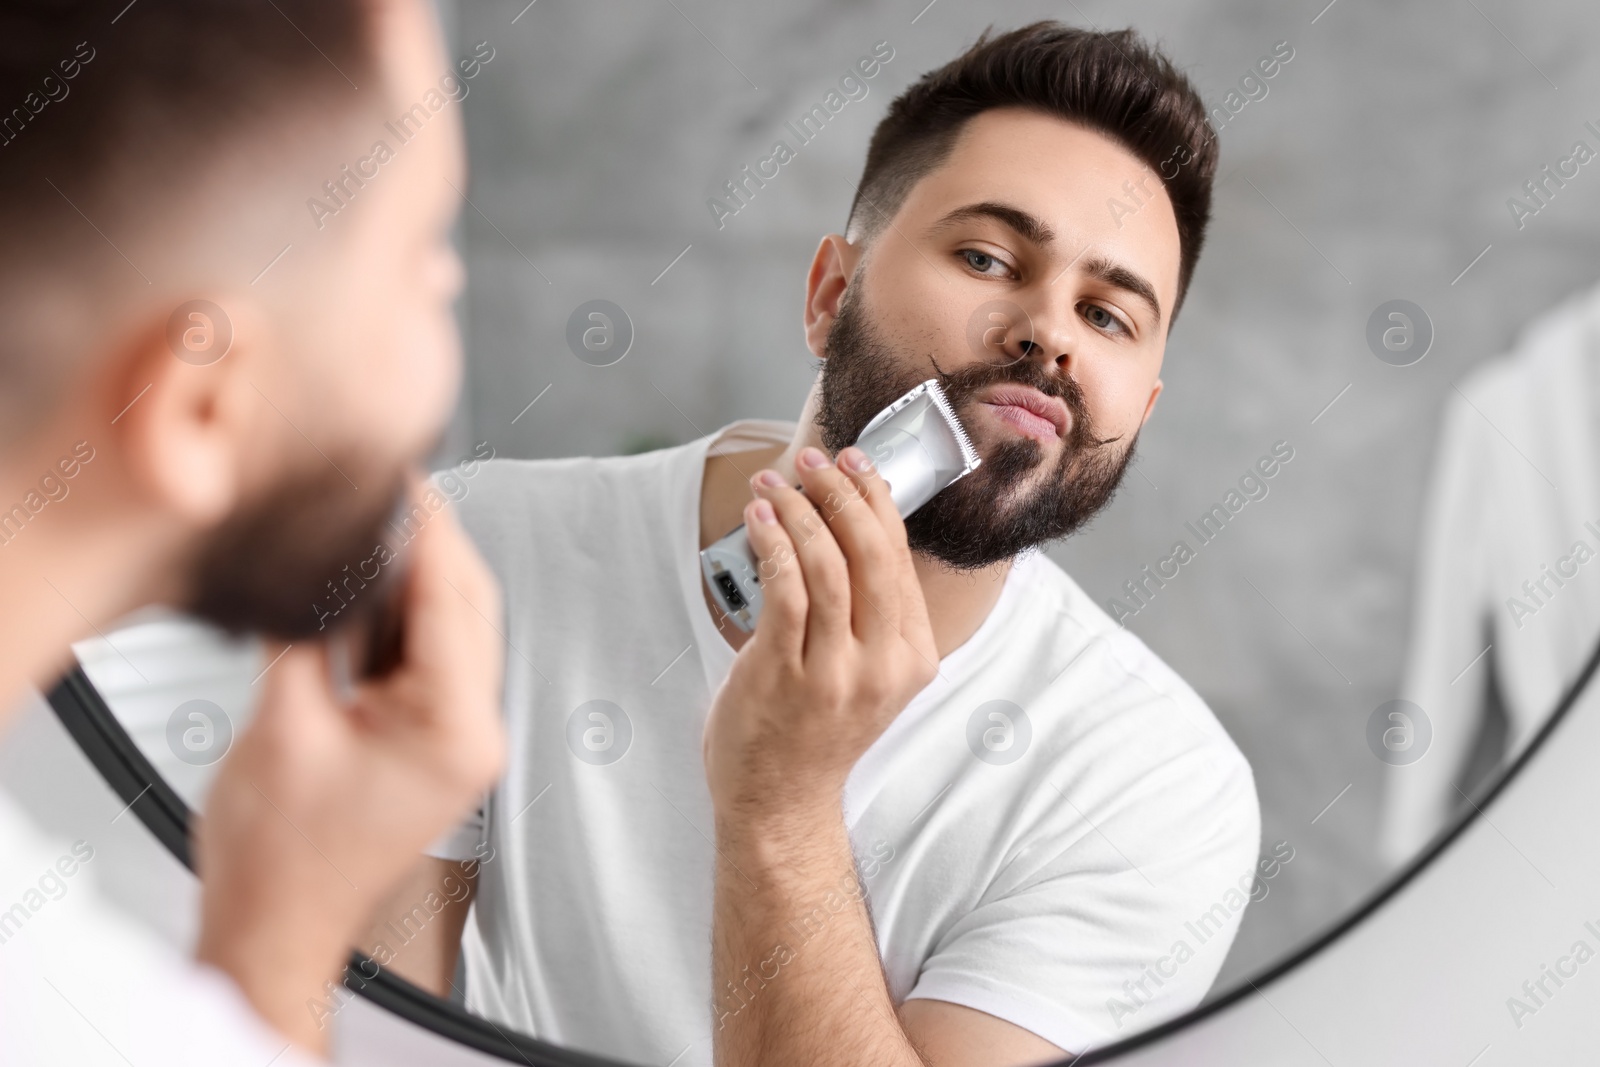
842	644
323	804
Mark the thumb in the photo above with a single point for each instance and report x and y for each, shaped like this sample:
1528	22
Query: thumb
298	696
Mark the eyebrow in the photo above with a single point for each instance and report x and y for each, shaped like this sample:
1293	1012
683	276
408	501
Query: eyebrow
1096	265
1035	231
1030	226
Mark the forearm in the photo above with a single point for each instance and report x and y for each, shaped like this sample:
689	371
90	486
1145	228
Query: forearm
283	968
281	929
416	932
796	973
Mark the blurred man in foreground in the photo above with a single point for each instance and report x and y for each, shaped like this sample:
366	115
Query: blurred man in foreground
212	398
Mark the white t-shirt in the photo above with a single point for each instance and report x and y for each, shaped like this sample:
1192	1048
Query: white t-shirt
80	984
1110	821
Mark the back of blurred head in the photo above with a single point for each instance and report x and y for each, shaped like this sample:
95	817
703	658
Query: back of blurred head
251	372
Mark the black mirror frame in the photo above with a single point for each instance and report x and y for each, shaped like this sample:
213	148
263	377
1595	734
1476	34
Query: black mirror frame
88	719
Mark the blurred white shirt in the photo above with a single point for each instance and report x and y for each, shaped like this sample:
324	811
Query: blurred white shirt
1508	564
82	984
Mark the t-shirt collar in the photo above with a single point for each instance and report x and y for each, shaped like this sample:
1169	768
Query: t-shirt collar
715	654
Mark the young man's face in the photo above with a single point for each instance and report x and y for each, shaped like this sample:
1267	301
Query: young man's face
366	362
1035	273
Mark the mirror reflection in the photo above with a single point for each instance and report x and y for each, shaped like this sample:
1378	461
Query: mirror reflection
1270	556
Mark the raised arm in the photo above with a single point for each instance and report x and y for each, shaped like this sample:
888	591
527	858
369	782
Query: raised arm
842	645
324	805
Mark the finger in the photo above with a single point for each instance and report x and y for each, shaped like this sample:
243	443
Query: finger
861	470
782	622
447	685
870	559
452	602
876	492
821	563
454	565
297	696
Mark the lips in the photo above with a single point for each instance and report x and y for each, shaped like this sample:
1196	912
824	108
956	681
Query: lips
1029	410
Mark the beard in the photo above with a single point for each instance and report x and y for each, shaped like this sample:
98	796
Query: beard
1015	500
269	565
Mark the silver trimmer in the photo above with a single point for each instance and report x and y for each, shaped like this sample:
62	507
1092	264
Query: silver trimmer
918	446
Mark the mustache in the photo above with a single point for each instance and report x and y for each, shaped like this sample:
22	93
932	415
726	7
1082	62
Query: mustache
962	384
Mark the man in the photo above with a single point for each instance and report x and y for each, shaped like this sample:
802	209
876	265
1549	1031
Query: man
211	399
939	807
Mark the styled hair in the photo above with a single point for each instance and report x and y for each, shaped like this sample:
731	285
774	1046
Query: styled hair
113	115
1112	83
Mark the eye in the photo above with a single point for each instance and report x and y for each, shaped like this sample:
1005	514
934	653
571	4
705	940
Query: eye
982	262
1101	319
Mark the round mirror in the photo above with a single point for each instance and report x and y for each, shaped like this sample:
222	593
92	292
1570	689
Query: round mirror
1236	622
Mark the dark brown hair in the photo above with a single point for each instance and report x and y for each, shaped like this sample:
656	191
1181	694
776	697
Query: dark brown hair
1109	82
84	84
111	110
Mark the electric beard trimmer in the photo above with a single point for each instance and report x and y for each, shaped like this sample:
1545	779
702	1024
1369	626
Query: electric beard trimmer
918	446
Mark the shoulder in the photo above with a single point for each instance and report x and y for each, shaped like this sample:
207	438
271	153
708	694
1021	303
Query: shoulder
517	505
496	482
1554	343
1078	633
1117	702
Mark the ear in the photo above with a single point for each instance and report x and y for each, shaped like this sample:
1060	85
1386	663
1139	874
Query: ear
188	420
831	270
1150	405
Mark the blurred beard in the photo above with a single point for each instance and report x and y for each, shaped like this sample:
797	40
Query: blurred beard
993	513
269	567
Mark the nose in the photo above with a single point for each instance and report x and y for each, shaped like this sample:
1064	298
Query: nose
1039	330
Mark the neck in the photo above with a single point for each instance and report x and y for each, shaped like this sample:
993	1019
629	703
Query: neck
69	566
958	601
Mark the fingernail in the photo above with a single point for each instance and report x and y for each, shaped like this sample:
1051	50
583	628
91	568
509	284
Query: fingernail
770	478
812	457
855	459
762	511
